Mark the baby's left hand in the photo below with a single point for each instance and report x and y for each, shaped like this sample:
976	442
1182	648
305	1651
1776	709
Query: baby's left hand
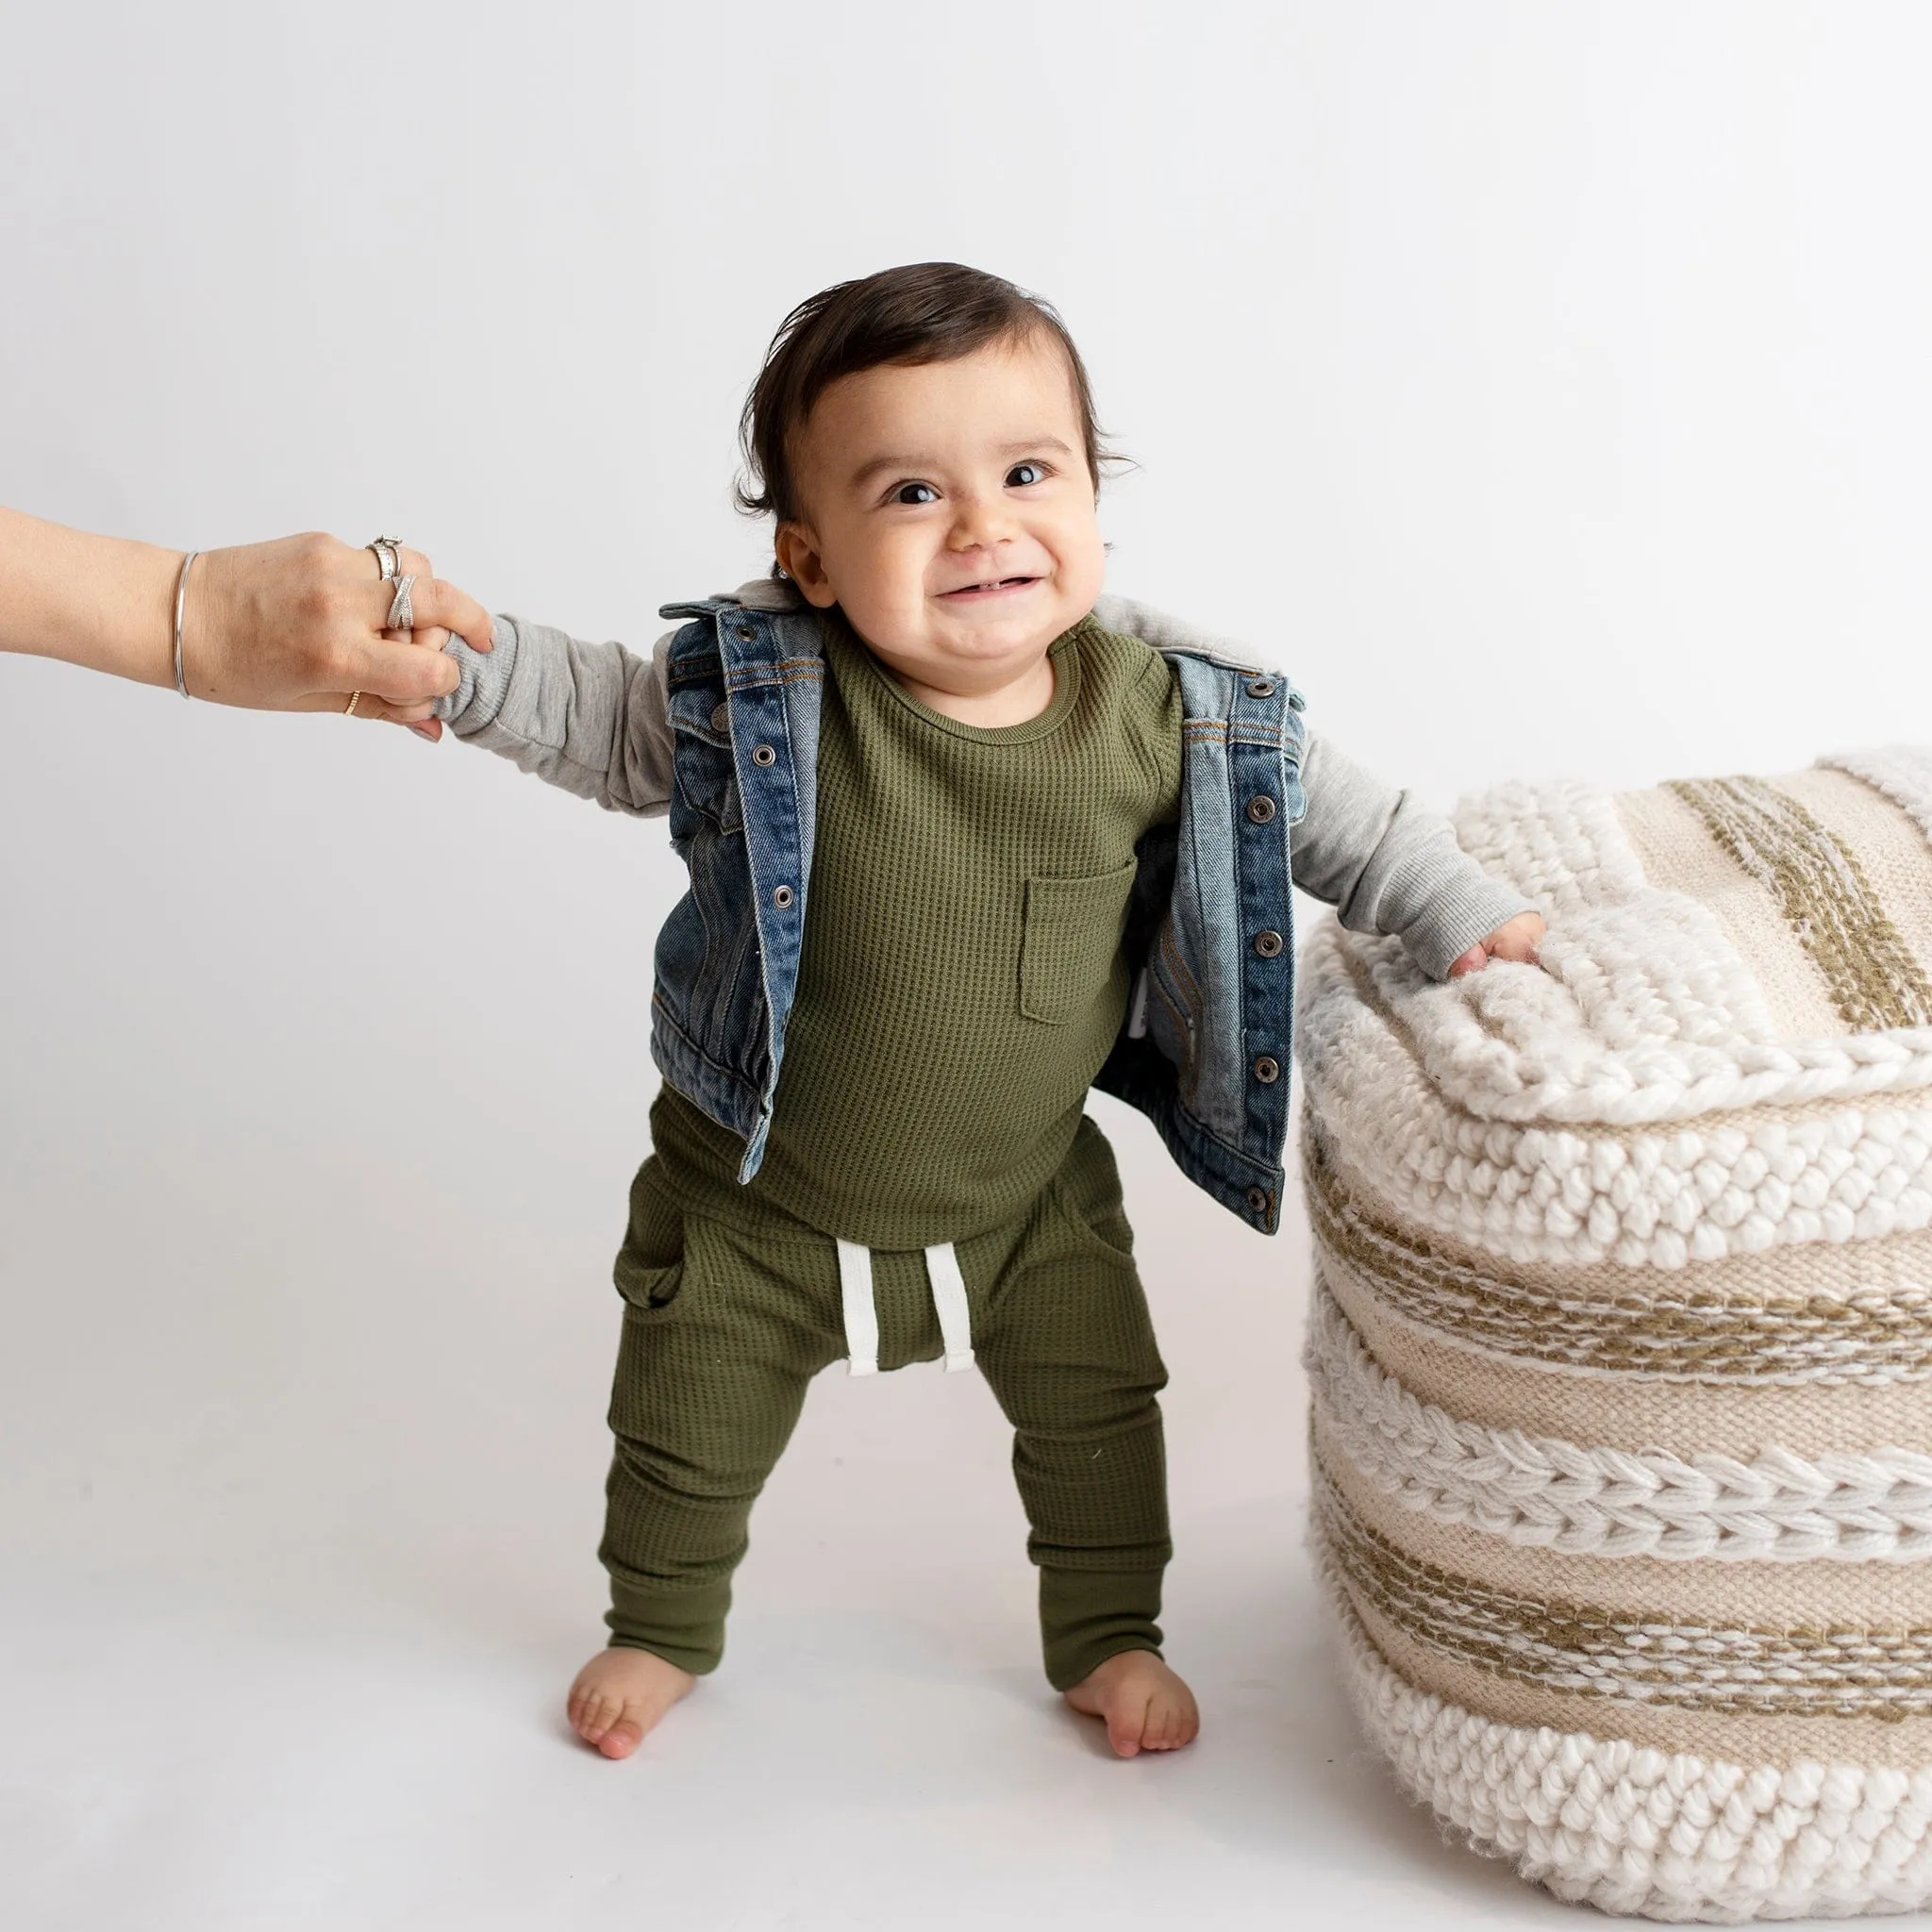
1515	939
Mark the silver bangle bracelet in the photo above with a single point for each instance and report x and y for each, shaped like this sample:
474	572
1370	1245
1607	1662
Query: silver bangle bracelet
180	605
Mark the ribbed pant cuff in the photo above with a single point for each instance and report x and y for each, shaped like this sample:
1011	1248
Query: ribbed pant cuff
684	1627
1087	1616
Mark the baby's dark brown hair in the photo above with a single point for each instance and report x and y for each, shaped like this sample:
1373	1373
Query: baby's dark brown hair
929	311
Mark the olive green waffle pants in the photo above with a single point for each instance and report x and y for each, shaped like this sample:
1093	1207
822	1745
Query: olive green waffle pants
727	1321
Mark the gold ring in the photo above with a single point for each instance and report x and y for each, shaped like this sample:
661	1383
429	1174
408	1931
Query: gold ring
349	709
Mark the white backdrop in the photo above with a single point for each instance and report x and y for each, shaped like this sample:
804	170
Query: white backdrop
1546	386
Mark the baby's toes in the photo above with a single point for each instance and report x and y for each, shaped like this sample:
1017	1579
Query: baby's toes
1173	1722
592	1712
1126	1727
621	1738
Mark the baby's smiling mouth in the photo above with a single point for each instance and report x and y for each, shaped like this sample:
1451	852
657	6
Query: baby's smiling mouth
991	588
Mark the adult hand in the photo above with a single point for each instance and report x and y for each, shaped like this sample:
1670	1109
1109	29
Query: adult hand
296	624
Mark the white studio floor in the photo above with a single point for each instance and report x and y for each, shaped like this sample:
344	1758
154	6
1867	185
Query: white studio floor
298	1532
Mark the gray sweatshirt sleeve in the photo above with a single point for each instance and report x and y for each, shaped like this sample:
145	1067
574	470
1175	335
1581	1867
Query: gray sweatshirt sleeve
1384	861
591	717
1388	864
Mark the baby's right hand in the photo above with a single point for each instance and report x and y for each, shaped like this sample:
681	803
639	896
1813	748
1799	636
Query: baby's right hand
1515	939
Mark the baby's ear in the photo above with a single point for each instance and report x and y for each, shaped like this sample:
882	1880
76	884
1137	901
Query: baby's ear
797	551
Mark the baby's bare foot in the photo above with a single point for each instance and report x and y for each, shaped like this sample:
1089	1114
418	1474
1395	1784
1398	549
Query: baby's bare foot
1145	1705
619	1695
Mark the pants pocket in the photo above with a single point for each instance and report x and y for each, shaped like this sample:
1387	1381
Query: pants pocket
1069	938
649	1269
1087	1193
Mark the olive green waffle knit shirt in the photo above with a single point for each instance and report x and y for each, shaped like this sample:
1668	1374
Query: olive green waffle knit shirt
961	979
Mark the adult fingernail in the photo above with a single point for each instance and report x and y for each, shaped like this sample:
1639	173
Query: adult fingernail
423	731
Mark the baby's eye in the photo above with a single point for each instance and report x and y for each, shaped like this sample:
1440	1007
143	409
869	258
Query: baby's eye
1023	474
915	493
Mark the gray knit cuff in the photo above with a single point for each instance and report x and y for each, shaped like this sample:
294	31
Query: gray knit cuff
1455	917
485	679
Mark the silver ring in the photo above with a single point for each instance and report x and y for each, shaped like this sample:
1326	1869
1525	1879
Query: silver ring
402	612
388	552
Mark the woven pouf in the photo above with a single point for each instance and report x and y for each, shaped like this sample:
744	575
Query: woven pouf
1622	1345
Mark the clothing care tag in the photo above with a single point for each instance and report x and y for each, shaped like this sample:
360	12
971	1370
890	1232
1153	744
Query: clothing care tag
1137	1007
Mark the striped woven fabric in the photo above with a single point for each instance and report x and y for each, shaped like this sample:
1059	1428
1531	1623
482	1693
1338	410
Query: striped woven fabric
1620	1351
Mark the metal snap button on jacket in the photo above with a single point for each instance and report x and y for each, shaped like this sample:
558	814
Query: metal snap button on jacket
1261	810
1267	1069
765	755
781	896
1257	1200
721	718
1268	943
1261	688
745	631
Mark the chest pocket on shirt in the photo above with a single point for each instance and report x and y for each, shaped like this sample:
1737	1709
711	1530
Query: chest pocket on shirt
1071	932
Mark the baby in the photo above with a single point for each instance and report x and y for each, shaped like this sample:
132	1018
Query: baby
965	839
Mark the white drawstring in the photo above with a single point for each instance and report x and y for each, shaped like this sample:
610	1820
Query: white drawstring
949	1300
862	1316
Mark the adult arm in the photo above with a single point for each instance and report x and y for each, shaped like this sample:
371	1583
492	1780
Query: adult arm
295	624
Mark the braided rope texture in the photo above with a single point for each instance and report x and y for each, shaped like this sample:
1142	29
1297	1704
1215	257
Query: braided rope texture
1652	1834
1546	1493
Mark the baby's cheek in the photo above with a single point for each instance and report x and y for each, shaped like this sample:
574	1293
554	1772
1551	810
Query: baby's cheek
1080	554
878	586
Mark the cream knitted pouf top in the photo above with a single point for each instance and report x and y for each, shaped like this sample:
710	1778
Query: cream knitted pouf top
1622	1345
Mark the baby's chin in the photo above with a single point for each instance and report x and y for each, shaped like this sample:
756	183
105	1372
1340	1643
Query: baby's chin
1009	640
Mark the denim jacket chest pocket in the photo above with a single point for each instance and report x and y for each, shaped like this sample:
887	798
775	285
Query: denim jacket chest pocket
1069	939
704	781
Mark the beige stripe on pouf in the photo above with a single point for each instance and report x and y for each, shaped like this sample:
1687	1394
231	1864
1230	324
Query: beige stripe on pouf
1818	884
1561	1648
1739	1739
1630	1411
1881	1596
1892	846
1679	854
1829	1311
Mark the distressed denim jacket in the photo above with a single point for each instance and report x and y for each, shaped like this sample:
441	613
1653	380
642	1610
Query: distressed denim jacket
722	728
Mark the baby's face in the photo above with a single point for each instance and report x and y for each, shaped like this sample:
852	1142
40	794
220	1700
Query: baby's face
949	512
